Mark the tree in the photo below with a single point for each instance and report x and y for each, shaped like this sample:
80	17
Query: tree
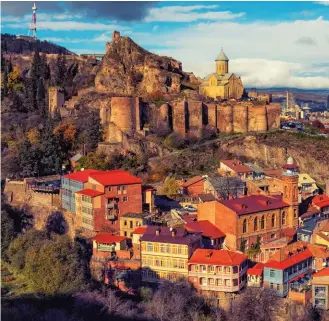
7	231
55	267
5	81
15	82
66	132
56	223
33	136
174	140
41	98
94	131
170	186
29	159
60	70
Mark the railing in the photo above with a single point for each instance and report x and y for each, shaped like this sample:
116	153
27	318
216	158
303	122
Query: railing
321	294
222	288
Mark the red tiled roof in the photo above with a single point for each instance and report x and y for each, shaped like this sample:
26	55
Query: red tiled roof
256	269
287	166
217	257
319	251
206	228
115	177
277	173
320	200
108	238
311	211
81	176
90	192
236	166
254	204
192	180
289	231
140	230
294	259
323	272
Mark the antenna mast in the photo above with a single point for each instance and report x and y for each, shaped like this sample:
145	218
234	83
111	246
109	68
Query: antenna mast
33	24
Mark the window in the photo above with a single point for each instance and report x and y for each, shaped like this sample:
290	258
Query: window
124	189
125	233
203	268
272	273
168	248
110	189
181	264
179	249
295	213
211	268
273	220
271	285
93	187
174	249
125	223
283	218
244	226
203	281
219	269
228	282
255	224
262	223
162	248
156	247
131	223
125	198
150	247
219	281
211	281
131	234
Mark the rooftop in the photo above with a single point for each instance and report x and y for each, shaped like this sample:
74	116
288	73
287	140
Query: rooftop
136	215
216	257
90	192
237	166
207	197
140	230
255	168
275	173
192	180
108	238
321	273
221	56
321	201
206	228
254	204
115	177
257	269
81	176
168	235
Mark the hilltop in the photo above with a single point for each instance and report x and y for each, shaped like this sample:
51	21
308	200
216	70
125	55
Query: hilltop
11	45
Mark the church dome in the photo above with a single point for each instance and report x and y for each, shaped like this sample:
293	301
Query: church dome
290	161
222	56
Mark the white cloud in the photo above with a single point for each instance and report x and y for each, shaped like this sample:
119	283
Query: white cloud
325	3
264	54
155	28
188	14
70	25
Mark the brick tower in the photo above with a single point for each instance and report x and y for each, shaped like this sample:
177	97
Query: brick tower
290	190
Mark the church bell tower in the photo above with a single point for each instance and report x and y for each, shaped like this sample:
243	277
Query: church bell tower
222	63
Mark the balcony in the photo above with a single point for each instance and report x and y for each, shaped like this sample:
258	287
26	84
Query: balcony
111	214
222	288
320	294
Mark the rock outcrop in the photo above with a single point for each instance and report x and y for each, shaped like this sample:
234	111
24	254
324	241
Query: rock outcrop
129	70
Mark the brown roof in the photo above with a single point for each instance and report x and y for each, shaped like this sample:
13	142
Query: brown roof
217	257
192	180
236	166
207	197
206	228
254	204
276	173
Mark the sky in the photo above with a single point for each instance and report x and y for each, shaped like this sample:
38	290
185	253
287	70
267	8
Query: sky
269	44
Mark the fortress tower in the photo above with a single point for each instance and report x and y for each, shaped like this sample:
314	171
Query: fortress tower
222	63
55	99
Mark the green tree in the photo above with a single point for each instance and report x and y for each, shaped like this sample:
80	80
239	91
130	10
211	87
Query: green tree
60	70
29	159
170	186
55	267
41	98
5	82
94	133
7	231
15	82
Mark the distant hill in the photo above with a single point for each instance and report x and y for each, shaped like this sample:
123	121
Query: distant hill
9	44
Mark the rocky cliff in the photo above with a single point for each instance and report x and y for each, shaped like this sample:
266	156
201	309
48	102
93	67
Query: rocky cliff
128	69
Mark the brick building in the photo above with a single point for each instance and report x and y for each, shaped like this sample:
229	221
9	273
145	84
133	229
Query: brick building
217	270
165	252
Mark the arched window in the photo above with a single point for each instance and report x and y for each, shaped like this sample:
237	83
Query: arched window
285	191
295	213
262	223
255	224
273	220
244	226
283	218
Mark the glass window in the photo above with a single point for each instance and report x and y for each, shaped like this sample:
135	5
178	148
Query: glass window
244	226
174	249
283	218
125	198
219	281
255	224
272	273
262	222
211	281
203	281
150	247
273	220
156	247
162	248
211	268
179	249
168	248
125	223
203	268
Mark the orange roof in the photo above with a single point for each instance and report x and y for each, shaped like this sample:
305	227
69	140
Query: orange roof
216	257
115	177
323	272
192	180
320	200
81	176
325	228
90	192
206	228
276	173
256	269
140	230
108	238
236	166
319	251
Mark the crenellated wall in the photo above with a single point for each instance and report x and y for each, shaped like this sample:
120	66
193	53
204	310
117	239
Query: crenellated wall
126	115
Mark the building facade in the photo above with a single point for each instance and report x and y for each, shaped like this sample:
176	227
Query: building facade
130	221
320	289
165	253
217	270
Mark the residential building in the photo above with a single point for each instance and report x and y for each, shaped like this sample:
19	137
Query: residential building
255	275
194	185
306	230
290	267
224	187
235	167
245	219
212	237
130	221
136	241
148	198
72	183
165	253
74	161
257	172
320	289
321	233
321	202
307	186
217	270
320	256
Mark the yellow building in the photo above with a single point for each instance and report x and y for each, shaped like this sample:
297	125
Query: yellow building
130	221
222	84
165	253
321	233
307	186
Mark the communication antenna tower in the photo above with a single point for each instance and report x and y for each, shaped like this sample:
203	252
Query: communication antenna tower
33	24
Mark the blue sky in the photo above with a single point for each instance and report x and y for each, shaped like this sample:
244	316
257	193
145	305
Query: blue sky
269	43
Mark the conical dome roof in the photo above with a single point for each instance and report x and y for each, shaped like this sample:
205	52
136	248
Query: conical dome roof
222	56
290	161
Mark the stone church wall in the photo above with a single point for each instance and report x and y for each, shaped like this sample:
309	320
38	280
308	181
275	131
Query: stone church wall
179	117
240	118
225	119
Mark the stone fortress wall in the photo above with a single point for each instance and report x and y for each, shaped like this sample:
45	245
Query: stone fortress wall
127	115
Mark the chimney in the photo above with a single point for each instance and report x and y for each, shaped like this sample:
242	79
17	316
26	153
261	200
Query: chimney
173	232
157	232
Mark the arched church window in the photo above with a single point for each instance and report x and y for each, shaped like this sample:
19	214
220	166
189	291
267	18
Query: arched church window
283	218
273	220
244	226
255	224
262	223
